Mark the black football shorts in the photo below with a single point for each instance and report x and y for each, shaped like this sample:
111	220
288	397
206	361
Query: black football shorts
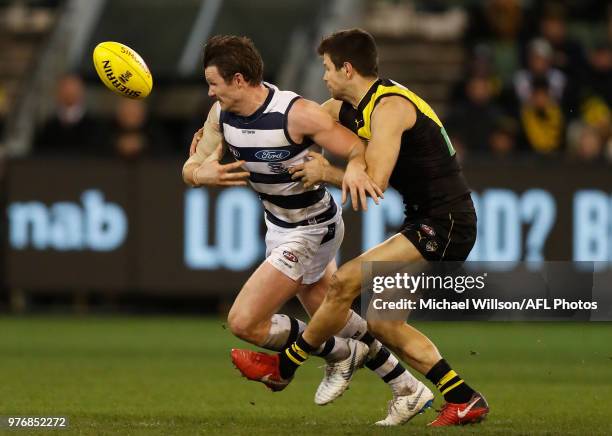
448	236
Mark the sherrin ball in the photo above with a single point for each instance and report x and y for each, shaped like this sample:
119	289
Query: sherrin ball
122	70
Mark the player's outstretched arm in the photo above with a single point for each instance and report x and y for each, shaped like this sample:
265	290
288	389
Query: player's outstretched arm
307	118
392	116
205	152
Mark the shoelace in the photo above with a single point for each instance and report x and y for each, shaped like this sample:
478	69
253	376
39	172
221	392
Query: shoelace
328	367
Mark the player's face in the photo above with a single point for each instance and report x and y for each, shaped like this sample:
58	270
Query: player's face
227	94
334	79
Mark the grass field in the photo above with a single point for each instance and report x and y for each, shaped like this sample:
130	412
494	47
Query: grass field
173	376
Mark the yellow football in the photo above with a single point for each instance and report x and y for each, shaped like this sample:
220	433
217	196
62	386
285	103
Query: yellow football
122	70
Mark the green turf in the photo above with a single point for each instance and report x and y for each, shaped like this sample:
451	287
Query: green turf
173	376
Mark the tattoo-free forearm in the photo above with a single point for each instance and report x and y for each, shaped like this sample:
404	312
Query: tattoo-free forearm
333	175
188	173
357	155
194	162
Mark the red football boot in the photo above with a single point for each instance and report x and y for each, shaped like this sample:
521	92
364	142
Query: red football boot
471	412
259	367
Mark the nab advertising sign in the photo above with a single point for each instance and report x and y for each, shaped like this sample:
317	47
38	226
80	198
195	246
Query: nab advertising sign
68	225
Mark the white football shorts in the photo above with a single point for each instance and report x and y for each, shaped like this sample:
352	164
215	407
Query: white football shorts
304	251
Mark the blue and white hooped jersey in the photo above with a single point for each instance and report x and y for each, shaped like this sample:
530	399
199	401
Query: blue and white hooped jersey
263	142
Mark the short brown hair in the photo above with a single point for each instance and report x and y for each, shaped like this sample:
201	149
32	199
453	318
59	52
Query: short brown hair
355	46
234	54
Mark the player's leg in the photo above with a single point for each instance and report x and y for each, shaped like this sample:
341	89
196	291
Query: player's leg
410	344
264	293
380	360
345	286
253	316
253	319
410	396
445	237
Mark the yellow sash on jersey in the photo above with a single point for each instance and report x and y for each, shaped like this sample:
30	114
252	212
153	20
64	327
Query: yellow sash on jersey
395	89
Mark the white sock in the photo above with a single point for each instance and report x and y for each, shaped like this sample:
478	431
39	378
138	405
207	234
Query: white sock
334	349
403	384
354	328
380	360
391	371
284	330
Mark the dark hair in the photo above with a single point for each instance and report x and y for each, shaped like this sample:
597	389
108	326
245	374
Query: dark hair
355	46
234	54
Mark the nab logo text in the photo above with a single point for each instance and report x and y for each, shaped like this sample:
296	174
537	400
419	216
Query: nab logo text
94	225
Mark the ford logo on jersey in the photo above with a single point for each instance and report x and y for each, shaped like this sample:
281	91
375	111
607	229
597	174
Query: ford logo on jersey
272	155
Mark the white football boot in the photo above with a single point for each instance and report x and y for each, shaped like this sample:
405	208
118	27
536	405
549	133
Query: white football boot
403	408
338	374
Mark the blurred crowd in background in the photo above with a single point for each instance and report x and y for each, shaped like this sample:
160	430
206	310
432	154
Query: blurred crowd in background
130	134
537	81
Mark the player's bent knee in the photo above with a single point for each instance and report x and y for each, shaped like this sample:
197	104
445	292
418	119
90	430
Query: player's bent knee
344	286
339	293
241	326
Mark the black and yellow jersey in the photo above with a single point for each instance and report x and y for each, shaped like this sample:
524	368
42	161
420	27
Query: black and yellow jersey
426	173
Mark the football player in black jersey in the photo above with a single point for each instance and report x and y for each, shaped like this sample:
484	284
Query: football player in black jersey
408	149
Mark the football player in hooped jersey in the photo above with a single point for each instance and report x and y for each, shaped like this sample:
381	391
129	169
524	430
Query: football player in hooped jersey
408	149
268	131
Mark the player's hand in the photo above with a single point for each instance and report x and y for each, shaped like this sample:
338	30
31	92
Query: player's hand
212	173
194	142
357	182
312	171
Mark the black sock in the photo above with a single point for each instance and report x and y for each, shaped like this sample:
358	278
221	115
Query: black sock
448	382
367	339
327	348
293	357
